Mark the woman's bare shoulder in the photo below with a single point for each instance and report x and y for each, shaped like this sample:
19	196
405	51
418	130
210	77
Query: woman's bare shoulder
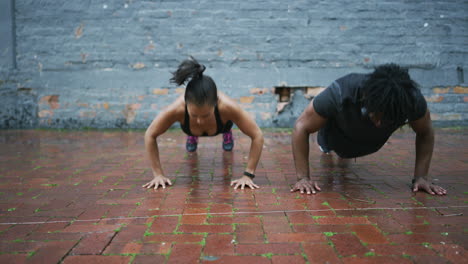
225	102
177	108
227	106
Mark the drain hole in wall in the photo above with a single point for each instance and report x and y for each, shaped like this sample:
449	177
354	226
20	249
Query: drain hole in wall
284	94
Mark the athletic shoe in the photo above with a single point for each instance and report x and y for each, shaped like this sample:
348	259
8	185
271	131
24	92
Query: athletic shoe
228	141
191	144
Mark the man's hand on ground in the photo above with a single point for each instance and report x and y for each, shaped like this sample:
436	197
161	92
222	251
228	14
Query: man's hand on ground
423	185
306	185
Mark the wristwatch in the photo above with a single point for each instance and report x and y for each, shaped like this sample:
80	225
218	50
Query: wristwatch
250	175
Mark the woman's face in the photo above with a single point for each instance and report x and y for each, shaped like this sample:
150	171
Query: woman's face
201	114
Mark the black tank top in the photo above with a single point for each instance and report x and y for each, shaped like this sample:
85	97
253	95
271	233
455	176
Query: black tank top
220	127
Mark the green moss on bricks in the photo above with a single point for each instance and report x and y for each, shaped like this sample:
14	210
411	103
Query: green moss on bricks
200	233
149	224
268	255
178	225
315	217
203	242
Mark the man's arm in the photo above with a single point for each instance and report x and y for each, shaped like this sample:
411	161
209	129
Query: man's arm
308	122
424	148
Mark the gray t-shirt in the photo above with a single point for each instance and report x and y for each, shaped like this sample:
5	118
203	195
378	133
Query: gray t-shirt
348	132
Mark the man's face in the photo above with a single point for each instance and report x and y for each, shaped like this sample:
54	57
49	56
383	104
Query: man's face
376	118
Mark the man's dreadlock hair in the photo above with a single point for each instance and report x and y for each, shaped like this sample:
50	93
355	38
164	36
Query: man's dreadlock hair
389	90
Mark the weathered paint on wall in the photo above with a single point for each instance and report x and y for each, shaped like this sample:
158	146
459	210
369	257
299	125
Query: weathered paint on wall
107	63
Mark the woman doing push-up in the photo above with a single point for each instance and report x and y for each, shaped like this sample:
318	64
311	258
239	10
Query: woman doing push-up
202	111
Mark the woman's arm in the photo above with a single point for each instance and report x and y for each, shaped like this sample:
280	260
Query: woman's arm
159	125
248	126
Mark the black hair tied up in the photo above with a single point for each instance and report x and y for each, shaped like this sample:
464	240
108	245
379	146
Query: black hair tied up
200	89
188	69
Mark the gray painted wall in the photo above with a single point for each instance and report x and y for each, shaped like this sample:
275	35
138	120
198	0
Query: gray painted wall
96	63
7	43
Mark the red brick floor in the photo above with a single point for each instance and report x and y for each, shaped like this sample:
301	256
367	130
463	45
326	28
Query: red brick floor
76	197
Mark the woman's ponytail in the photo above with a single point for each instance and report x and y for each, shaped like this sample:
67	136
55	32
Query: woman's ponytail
201	89
187	69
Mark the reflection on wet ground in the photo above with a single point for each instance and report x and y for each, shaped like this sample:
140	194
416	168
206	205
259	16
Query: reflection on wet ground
76	196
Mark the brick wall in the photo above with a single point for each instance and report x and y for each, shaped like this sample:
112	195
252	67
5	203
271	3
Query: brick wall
107	63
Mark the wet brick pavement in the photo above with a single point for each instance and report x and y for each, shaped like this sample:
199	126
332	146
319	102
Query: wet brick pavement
76	197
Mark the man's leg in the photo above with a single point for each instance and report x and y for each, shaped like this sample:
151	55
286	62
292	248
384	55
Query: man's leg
343	162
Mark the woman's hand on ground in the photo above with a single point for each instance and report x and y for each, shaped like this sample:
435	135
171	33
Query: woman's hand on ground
158	180
244	181
423	185
306	185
